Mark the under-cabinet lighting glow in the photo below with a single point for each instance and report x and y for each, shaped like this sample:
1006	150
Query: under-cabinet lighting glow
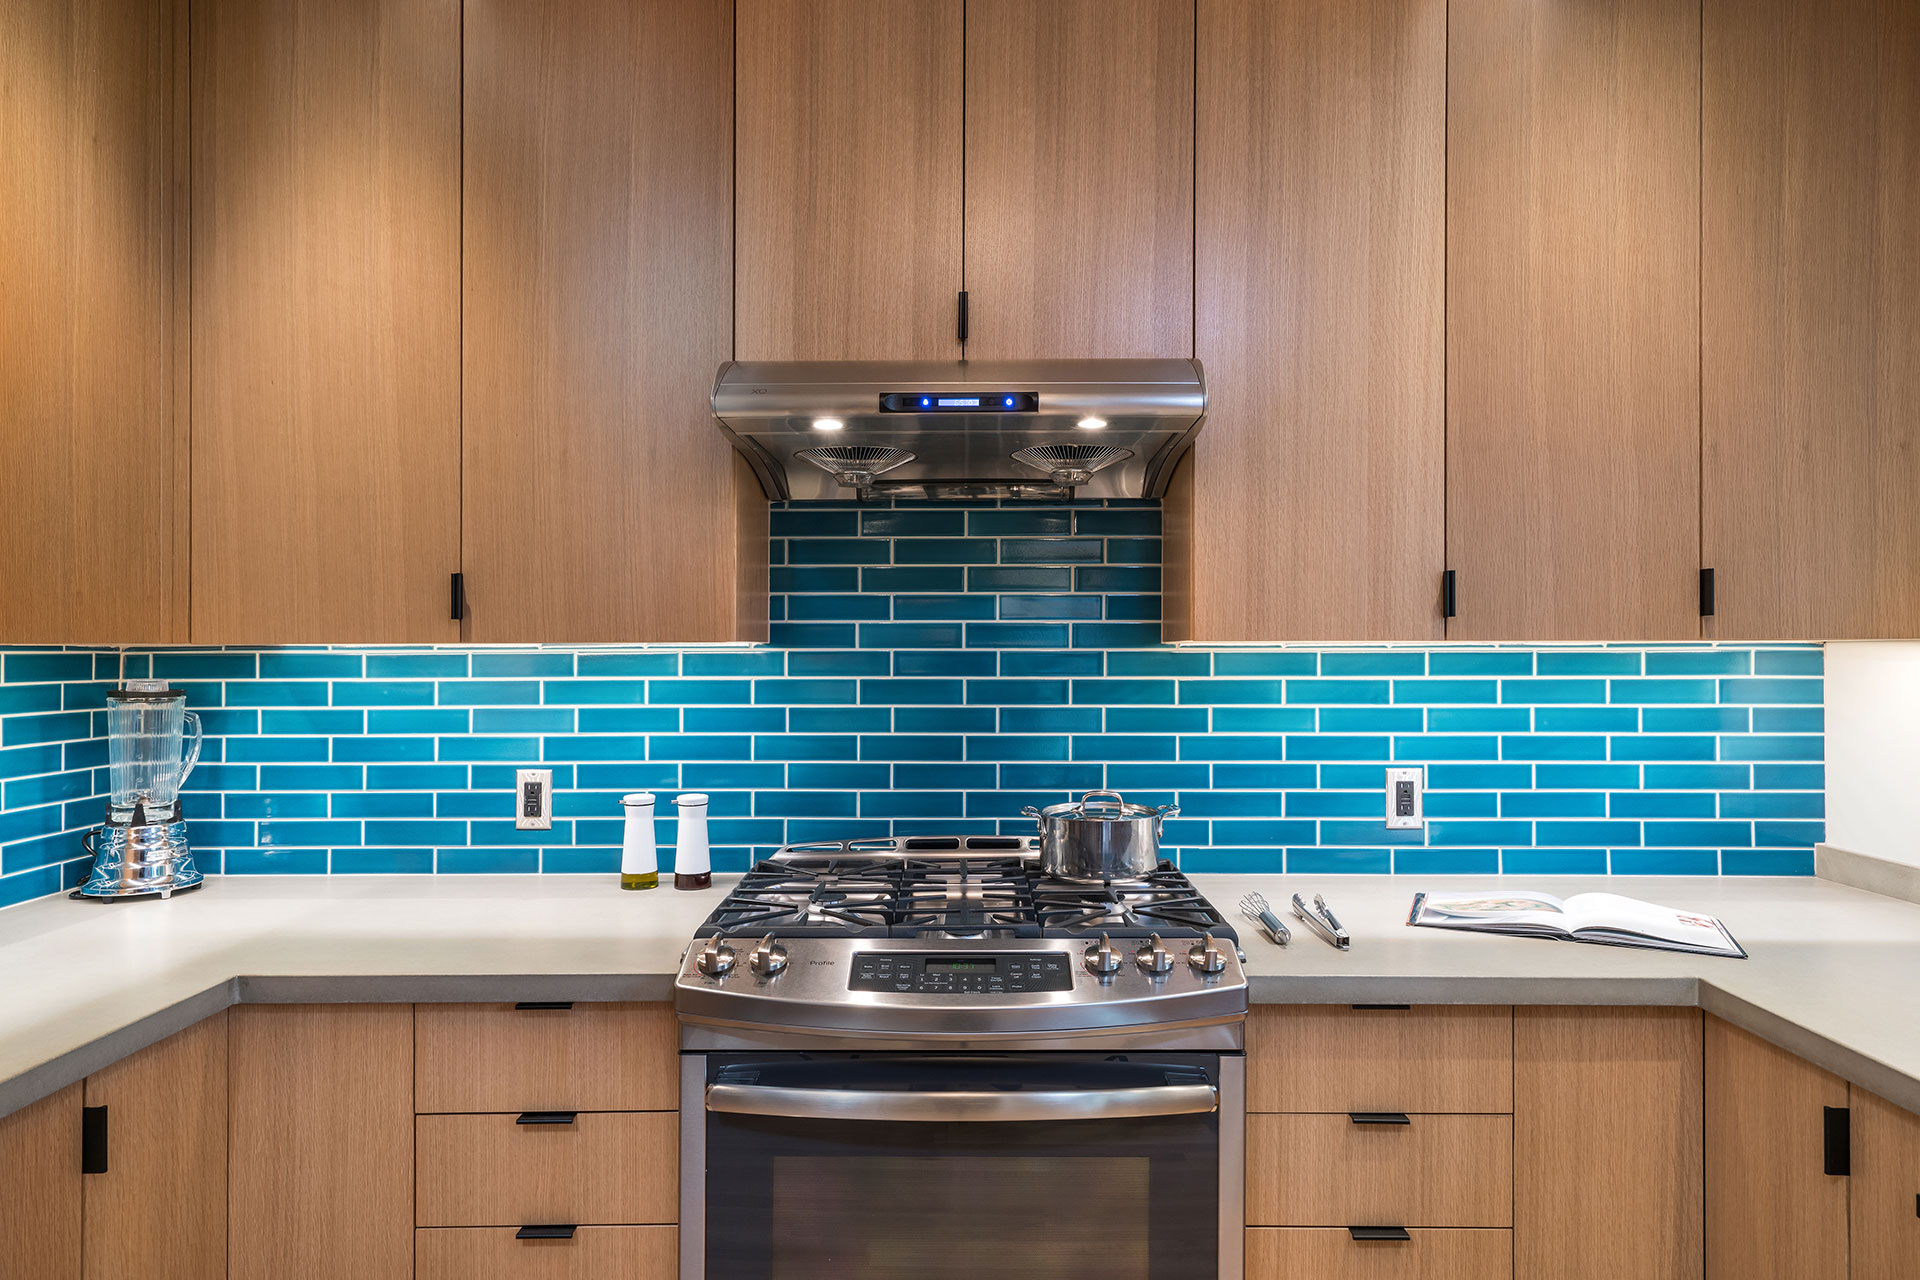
1091	424
827	424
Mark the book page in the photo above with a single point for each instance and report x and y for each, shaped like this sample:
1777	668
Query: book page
1612	911
1495	908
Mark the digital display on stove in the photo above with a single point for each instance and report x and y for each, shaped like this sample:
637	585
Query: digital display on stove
997	973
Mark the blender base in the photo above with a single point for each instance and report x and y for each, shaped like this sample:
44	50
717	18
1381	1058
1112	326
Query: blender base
140	861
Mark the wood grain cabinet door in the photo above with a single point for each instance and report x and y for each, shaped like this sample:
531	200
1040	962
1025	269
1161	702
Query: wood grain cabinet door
847	230
1884	1198
1810	314
1316	496
600	501
92	330
40	1193
1773	1213
159	1211
1079	185
320	1160
1606	1144
1573	389
326	320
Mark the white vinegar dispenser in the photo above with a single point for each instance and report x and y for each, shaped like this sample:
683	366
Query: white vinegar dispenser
692	862
639	859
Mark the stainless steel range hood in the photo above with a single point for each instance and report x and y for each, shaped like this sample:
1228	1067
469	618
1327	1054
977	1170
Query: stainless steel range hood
1044	429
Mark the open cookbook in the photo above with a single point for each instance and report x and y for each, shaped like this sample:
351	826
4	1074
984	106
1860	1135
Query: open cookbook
1606	918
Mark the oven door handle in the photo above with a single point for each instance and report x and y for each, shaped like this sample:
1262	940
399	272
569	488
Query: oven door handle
962	1105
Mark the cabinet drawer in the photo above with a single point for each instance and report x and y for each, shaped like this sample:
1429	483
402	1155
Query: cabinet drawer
492	1253
1327	1171
1430	1058
1274	1252
606	1168
589	1057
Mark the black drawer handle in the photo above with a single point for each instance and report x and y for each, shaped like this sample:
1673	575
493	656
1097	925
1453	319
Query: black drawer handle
538	1005
1382	1008
1378	1117
1379	1233
546	1117
557	1231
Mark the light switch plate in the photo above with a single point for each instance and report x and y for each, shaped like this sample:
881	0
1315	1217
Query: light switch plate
533	799
1406	807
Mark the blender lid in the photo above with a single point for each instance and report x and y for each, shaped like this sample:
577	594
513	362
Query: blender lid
145	691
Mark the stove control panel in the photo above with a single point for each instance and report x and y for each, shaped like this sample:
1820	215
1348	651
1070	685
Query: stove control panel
974	973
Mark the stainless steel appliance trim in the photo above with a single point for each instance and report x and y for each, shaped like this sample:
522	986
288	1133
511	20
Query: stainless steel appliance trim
693	1167
1222	1034
962	1105
1233	1167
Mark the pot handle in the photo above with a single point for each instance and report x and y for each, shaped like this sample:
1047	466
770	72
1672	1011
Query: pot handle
1167	811
1030	812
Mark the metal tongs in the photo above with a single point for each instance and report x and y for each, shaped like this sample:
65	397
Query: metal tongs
1322	921
1254	907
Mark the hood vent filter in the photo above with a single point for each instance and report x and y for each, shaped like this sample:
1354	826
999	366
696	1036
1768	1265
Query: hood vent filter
856	465
1070	464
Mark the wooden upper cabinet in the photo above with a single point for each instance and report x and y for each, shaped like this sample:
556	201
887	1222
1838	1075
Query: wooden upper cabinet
1606	1144
601	502
160	1210
1319	243
1884	1198
92	528
1079	183
1572	319
1773	1213
40	1189
326	361
848	172
1810	317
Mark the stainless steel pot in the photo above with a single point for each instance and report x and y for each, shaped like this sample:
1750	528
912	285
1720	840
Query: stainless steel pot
1100	837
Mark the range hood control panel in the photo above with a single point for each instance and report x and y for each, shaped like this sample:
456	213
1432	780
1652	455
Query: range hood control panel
960	402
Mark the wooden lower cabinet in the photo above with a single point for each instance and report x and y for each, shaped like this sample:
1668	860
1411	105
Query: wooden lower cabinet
1284	1253
1885	1196
159	1211
593	1253
580	1057
1427	1058
1773	1213
40	1189
610	1168
1606	1143
1330	1171
320	1166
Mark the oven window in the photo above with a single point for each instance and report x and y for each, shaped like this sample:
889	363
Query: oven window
960	1217
1130	1197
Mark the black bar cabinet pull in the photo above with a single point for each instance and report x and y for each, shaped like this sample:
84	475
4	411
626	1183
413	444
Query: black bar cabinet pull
543	1004
963	315
547	1117
1839	1142
459	597
1381	1008
1379	1233
549	1231
1378	1117
93	1139
1450	594
1706	593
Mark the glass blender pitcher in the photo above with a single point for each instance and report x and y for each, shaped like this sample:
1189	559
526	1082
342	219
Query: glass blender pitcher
149	752
152	744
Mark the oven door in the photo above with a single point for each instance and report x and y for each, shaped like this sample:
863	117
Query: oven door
1046	1166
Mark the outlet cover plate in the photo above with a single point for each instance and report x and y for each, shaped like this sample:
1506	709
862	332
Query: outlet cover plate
533	799
1402	785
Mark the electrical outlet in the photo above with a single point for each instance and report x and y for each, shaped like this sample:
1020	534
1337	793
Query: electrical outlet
533	800
1404	790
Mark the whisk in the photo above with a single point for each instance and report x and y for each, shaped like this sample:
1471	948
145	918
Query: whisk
1254	907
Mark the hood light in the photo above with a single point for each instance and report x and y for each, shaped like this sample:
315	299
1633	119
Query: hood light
827	424
1091	424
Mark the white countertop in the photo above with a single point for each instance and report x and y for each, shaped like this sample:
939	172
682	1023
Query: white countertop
1834	973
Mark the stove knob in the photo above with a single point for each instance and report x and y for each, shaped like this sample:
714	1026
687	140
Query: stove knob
1154	957
767	957
1102	959
1206	955
715	959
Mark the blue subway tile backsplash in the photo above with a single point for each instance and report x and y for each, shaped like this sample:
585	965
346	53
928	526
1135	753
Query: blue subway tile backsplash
932	670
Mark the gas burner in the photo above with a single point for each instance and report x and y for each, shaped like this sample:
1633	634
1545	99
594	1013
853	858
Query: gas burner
951	888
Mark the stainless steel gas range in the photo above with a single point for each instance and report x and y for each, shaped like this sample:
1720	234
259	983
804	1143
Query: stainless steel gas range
922	1057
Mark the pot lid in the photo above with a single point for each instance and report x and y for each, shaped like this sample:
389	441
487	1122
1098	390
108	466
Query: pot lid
1100	806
